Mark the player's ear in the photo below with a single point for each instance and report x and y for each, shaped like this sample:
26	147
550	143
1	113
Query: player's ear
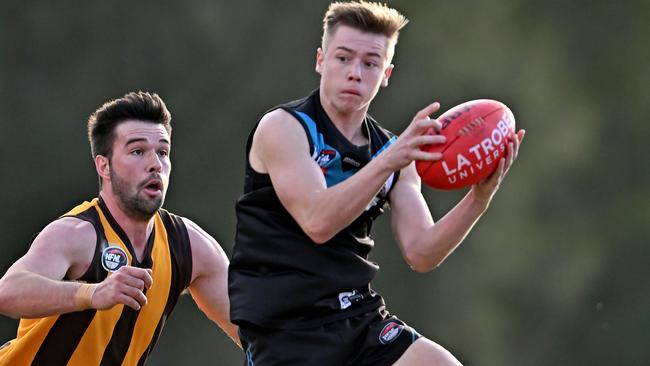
103	167
387	73
319	59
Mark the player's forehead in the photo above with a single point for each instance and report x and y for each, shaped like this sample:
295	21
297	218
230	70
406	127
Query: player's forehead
355	40
134	130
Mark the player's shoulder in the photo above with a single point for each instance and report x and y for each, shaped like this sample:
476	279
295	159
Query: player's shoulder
276	118
279	129
70	225
67	232
204	247
197	235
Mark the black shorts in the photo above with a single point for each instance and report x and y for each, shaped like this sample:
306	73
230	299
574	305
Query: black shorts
374	338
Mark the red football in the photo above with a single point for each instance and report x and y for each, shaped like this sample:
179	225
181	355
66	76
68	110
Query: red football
477	132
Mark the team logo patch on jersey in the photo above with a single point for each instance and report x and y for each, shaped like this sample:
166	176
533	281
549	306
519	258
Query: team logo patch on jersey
390	332
113	258
346	299
325	157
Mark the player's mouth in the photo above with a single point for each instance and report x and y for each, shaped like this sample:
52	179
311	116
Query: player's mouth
351	92
153	187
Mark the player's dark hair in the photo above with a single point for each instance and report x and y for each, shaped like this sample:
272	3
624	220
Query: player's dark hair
140	106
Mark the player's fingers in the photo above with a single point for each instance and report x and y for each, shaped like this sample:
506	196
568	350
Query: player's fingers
493	180
425	112
142	274
429	140
148	278
502	168
136	295
520	135
129	301
135	282
141	298
424	124
426	156
129	271
425	127
437	126
507	159
517	142
511	153
428	123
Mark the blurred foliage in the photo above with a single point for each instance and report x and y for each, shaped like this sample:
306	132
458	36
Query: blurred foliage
556	273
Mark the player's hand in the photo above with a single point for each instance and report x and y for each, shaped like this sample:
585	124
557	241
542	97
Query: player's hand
407	147
124	286
484	190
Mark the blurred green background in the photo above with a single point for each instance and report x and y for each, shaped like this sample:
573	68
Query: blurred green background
556	272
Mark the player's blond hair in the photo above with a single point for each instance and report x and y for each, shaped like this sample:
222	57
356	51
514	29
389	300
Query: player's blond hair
370	17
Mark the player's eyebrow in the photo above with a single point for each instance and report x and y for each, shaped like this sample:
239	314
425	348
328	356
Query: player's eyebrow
343	48
139	139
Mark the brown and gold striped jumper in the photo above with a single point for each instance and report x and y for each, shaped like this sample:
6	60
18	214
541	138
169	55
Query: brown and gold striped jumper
120	335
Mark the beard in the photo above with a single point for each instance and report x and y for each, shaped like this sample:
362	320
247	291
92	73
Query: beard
133	204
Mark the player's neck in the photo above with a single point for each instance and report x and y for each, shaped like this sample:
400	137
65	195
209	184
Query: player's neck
348	123
137	231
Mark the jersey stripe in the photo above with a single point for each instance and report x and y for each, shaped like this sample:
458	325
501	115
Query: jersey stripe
62	338
81	208
156	296
31	333
315	139
386	145
98	334
181	272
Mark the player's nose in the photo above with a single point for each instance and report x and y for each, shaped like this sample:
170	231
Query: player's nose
154	163
354	71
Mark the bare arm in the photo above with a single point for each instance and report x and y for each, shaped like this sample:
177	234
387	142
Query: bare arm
209	286
280	148
425	245
34	286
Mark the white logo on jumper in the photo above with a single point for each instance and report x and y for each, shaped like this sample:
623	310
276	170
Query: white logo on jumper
346	299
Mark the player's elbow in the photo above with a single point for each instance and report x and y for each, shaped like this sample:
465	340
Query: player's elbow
421	264
318	233
318	237
421	267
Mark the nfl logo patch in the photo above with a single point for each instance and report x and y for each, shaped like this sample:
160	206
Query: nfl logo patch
113	258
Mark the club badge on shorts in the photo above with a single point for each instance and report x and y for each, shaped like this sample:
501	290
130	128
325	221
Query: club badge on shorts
390	332
113	258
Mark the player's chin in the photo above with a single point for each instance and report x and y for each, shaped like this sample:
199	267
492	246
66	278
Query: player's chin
348	107
351	102
153	201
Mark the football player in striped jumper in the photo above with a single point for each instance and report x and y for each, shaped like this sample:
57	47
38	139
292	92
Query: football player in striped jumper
97	285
